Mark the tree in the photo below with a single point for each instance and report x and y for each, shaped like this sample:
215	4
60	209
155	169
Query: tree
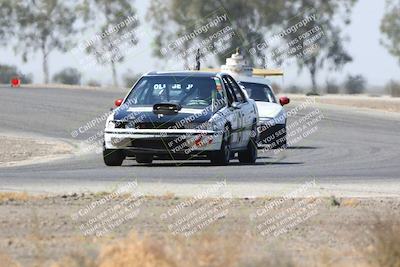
318	41
7	16
355	84
390	27
44	25
68	76
253	21
175	20
115	34
129	78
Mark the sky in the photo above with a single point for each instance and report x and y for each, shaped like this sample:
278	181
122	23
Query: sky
370	58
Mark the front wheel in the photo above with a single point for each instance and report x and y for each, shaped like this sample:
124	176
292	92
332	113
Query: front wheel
143	158
113	157
222	156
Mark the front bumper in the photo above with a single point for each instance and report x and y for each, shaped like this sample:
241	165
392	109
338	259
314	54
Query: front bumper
268	134
163	141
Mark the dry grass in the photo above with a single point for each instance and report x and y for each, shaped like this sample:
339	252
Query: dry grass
205	250
385	244
14	196
211	249
168	195
6	260
350	202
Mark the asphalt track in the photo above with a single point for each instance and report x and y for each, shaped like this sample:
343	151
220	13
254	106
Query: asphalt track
348	146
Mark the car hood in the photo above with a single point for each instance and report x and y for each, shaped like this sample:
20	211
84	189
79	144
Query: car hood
146	114
268	109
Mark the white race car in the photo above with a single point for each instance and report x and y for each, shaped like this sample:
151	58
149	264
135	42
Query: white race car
272	116
177	115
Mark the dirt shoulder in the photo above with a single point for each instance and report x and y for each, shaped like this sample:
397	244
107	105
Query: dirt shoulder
94	230
383	103
24	150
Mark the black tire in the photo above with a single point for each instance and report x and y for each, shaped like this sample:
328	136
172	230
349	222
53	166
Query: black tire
222	157
249	156
144	158
281	145
113	157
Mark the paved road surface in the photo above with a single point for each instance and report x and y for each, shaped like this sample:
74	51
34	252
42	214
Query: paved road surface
349	146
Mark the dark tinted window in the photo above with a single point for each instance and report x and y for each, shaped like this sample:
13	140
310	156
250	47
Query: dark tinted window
259	92
229	91
188	91
238	92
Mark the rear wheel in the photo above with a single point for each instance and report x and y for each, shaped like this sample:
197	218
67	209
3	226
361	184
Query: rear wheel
142	158
223	156
113	157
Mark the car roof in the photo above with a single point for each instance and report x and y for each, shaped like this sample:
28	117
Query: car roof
247	79
183	73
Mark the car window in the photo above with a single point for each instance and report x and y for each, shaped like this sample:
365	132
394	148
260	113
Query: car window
236	88
229	91
259	92
188	91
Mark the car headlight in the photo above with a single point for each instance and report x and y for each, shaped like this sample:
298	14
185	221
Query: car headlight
265	119
281	117
210	126
192	125
110	124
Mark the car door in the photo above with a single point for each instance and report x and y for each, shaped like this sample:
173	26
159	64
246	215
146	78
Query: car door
246	111
234	115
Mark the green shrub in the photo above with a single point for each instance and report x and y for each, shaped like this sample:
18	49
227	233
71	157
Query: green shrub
355	84
294	89
393	88
130	79
331	87
68	76
7	72
276	87
93	83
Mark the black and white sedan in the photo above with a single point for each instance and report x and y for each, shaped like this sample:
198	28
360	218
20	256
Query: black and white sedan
182	115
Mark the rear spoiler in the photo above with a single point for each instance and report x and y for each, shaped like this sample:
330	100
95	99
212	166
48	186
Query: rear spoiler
265	72
256	72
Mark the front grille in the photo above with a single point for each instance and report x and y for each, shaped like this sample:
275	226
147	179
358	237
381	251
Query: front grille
167	144
157	125
147	125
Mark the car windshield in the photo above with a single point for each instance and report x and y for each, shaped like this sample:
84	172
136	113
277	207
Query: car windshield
259	92
187	91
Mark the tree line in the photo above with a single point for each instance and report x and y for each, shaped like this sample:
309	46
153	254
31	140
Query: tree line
182	27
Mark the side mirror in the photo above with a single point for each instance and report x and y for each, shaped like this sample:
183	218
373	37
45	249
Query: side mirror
118	102
284	100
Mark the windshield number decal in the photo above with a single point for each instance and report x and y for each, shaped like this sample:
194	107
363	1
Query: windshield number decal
159	86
